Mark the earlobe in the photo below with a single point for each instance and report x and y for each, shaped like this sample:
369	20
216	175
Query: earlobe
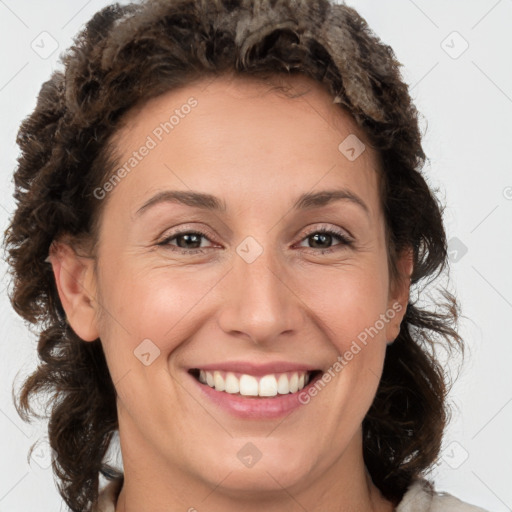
74	278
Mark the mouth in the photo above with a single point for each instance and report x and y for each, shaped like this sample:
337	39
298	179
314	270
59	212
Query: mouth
272	385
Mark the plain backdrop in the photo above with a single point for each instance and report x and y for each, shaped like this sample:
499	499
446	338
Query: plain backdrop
457	60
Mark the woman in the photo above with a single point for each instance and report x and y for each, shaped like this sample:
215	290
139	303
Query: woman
260	367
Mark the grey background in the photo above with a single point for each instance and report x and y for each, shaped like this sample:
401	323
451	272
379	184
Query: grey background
465	97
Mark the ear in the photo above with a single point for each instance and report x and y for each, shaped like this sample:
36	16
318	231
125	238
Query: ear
75	280
399	294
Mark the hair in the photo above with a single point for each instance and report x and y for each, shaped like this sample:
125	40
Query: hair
128	54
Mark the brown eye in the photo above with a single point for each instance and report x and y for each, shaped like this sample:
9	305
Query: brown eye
187	242
322	239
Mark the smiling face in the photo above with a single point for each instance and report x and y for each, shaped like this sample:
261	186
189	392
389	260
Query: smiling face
259	285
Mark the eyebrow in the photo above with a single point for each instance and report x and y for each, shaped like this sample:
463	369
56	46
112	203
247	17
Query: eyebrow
194	199
311	200
306	201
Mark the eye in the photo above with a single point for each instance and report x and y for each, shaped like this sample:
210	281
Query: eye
322	239
188	242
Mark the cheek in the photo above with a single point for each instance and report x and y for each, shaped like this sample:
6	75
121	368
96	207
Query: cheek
146	318
153	303
349	302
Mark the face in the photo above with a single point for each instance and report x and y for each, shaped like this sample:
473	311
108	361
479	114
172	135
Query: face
287	303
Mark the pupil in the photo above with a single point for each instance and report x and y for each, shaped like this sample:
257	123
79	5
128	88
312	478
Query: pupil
187	237
323	236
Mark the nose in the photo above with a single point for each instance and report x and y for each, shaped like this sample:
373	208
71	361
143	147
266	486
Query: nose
259	300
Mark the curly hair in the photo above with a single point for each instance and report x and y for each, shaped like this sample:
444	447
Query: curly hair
128	54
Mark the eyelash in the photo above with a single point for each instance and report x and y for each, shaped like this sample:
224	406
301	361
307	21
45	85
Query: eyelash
345	240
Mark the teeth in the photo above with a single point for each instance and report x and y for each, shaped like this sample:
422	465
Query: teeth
232	383
218	381
283	387
268	386
294	383
249	385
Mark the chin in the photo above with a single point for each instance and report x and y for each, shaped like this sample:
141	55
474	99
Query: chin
260	465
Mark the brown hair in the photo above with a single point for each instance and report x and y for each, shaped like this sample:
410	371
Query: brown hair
128	54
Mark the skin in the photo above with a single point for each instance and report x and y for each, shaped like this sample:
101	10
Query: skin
292	303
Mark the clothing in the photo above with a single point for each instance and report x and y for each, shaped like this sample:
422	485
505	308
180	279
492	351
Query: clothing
418	498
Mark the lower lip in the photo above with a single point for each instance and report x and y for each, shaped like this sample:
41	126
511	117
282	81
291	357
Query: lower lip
253	407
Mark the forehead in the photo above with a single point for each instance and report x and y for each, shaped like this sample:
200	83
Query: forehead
245	132
294	95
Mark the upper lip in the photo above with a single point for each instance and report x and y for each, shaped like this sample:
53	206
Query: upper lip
251	368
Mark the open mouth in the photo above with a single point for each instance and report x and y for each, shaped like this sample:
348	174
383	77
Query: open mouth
264	386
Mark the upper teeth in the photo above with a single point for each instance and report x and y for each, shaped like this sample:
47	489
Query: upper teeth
248	385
